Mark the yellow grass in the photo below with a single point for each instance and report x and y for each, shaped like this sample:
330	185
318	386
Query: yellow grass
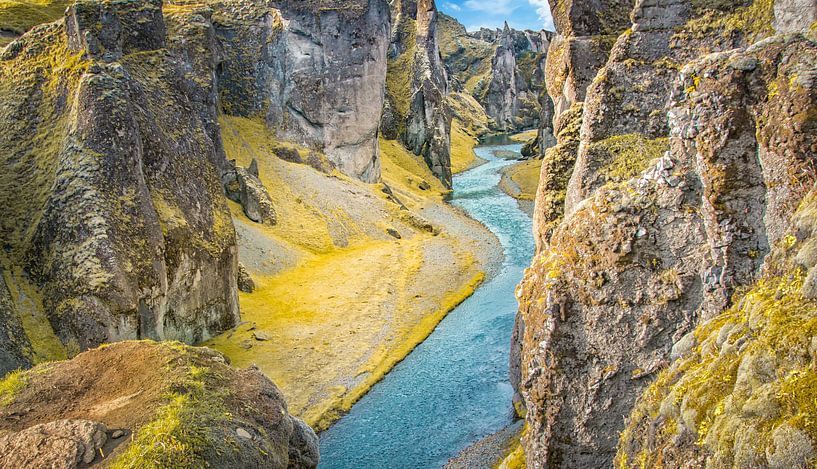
525	177
341	316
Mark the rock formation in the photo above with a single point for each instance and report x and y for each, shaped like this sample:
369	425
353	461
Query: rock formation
115	227
664	220
417	86
504	70
741	391
321	79
114	174
141	404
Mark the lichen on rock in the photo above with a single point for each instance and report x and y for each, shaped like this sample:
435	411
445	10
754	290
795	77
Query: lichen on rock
147	404
685	178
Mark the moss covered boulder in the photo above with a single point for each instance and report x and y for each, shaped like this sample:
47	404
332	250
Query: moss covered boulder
147	404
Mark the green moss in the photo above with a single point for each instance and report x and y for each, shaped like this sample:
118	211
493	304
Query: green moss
627	156
401	72
12	384
19	16
752	22
710	390
28	305
184	428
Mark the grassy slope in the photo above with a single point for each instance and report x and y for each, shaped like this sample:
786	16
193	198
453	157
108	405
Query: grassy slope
353	300
468	124
18	16
521	180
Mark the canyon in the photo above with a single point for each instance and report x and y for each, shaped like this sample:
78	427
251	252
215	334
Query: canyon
230	225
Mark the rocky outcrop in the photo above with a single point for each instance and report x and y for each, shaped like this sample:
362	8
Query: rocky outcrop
504	70
114	170
738	393
664	220
135	404
322	78
585	33
116	227
61	443
316	73
243	186
511	99
629	94
417	86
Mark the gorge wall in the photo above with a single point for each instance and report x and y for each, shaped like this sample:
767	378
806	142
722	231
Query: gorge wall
114	174
417	85
676	199
502	69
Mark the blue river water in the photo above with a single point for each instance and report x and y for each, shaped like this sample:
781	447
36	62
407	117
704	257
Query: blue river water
453	389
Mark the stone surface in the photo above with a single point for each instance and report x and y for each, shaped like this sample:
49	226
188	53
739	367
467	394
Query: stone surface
245	187
125	232
417	86
671	209
324	78
794	15
504	70
184	404
62	443
245	281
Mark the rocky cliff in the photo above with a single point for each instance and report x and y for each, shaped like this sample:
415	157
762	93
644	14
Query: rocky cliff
320	82
115	227
667	191
115	174
417	85
517	77
143	404
503	69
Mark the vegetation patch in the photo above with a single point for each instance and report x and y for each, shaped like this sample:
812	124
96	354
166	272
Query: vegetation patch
184	430
401	72
753	22
626	156
18	16
746	395
12	384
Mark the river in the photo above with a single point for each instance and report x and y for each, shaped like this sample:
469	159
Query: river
453	389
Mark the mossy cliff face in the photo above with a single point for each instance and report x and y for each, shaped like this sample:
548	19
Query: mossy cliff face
149	405
585	33
677	217
116	227
416	113
628	95
741	392
516	79
18	16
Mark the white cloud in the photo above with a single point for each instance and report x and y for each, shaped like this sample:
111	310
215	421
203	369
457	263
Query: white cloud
452	6
543	10
496	7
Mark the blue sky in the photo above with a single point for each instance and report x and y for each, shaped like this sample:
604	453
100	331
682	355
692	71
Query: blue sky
520	14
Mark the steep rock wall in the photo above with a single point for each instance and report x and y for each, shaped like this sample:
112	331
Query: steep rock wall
326	87
417	85
741	390
517	77
117	227
113	141
664	233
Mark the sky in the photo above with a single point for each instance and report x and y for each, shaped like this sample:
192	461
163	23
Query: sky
520	14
